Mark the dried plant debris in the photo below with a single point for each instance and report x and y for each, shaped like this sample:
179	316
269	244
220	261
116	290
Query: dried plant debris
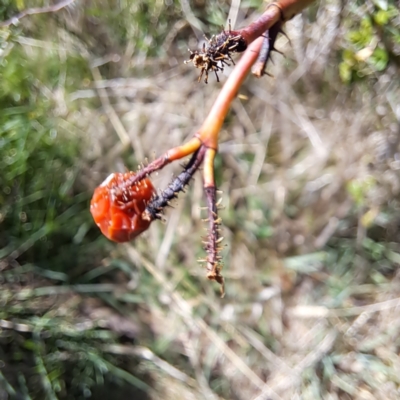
217	53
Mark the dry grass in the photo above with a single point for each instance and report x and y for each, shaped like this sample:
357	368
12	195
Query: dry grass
308	170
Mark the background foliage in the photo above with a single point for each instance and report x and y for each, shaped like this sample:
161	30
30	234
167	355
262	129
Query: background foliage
309	169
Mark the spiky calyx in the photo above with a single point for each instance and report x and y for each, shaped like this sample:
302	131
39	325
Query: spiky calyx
217	53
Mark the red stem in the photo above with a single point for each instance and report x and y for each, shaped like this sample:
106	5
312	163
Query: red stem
209	131
211	127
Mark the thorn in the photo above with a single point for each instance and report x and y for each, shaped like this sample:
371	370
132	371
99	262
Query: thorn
205	220
270	57
219	240
281	31
277	51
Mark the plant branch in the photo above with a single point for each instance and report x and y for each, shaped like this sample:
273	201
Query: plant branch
171	155
214	239
270	36
285	9
204	144
155	207
209	131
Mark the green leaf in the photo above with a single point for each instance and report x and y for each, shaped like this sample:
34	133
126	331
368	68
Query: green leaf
379	59
382	17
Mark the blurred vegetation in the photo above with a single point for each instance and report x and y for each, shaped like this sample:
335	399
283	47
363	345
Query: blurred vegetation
308	166
373	37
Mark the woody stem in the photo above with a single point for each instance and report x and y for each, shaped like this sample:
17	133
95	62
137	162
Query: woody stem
176	153
211	127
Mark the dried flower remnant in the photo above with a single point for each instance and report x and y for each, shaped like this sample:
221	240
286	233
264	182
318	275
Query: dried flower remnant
217	53
117	208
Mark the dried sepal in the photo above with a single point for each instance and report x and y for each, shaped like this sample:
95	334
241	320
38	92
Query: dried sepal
217	53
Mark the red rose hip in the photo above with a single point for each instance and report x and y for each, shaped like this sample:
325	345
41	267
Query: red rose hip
117	206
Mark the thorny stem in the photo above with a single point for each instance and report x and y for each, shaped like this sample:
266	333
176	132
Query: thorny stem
212	244
154	209
171	155
275	13
214	238
259	67
205	141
